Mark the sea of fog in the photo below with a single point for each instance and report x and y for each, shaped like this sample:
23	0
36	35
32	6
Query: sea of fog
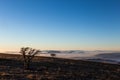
98	55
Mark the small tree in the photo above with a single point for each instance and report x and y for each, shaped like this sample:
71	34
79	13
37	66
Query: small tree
28	54
53	55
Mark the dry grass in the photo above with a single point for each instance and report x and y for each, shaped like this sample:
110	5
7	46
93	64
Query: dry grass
44	68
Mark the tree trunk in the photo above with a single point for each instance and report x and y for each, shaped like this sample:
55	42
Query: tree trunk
26	64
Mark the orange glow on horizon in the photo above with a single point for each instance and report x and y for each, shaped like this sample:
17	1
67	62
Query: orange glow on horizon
5	49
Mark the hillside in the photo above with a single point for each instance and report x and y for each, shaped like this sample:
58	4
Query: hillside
46	68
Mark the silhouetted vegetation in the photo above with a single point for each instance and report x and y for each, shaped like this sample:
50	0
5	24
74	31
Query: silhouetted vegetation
60	69
53	55
28	54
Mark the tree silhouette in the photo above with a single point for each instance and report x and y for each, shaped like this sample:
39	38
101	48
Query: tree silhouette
28	54
52	55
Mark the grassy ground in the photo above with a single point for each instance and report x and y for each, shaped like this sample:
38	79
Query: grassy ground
44	68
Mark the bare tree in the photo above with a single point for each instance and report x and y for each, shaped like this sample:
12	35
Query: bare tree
28	54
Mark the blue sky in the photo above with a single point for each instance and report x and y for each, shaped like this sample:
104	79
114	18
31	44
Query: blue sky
60	24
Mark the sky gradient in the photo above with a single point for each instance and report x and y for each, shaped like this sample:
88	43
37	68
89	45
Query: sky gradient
60	24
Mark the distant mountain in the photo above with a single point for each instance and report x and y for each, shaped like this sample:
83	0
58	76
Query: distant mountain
104	60
53	51
108	55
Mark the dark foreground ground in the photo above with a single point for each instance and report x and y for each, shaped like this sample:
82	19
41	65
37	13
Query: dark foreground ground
43	68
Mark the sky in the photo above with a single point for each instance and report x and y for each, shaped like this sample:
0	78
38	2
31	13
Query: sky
60	24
